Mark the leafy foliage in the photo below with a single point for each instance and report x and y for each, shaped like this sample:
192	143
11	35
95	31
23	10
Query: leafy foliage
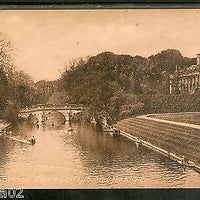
101	82
117	86
3	89
16	87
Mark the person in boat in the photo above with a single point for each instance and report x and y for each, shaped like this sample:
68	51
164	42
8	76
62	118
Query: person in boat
37	125
4	132
168	152
186	160
183	161
32	140
70	129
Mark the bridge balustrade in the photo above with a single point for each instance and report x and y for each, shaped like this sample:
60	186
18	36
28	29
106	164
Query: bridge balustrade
52	106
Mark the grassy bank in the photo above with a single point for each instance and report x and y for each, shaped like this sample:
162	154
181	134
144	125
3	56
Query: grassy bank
191	118
173	138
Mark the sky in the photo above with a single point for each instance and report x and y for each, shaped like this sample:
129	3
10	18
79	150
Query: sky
45	41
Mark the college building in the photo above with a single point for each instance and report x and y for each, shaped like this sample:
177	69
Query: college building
186	81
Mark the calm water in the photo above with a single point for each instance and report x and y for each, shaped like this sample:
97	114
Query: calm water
85	159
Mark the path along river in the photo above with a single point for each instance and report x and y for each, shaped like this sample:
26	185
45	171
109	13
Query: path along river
85	159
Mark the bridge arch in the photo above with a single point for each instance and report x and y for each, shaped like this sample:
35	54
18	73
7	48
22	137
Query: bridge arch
54	118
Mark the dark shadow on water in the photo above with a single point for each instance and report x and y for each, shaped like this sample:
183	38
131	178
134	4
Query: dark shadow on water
101	154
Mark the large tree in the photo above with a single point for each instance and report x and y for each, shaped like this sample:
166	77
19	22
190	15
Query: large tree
5	63
158	69
3	89
99	81
16	87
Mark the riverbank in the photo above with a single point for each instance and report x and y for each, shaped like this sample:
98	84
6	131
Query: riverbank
170	138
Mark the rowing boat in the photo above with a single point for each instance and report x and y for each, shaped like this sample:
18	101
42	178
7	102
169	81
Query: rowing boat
20	140
186	164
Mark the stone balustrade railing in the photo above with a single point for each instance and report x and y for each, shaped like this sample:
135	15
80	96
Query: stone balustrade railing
52	107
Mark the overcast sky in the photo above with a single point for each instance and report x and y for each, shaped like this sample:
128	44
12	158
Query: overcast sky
45	41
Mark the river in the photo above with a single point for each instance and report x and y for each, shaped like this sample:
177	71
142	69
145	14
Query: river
85	158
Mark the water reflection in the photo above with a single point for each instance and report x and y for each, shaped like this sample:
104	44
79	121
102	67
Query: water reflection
85	158
119	163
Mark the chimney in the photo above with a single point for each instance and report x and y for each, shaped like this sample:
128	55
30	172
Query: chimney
198	59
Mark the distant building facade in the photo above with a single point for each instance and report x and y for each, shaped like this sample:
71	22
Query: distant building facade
186	81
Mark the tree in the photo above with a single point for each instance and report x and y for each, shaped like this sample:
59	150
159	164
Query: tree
158	69
59	98
4	65
5	48
23	89
98	81
167	60
3	89
16	87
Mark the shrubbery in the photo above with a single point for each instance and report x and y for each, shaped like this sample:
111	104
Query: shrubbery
130	110
171	103
11	113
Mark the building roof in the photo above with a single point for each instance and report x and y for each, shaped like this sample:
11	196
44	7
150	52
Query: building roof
193	69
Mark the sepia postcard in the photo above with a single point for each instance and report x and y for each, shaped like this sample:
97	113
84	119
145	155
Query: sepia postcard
100	98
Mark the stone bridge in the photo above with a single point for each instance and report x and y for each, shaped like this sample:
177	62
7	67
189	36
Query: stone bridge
40	111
